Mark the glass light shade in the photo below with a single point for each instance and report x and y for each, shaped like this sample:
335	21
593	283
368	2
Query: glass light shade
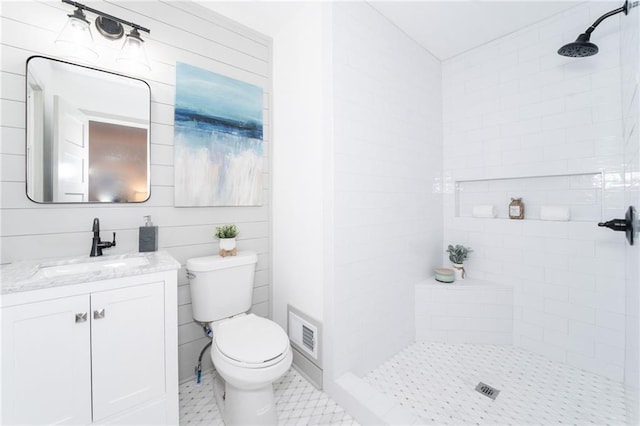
133	54
75	38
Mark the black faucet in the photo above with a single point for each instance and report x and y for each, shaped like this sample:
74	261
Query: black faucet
97	245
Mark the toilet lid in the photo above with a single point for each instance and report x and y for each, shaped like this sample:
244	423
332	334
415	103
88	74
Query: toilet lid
251	339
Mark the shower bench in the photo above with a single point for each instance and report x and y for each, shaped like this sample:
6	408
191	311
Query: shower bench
467	311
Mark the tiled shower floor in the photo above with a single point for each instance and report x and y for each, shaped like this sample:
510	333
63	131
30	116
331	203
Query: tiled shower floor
298	403
436	381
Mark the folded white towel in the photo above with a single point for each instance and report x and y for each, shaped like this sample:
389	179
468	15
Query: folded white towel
484	211
561	213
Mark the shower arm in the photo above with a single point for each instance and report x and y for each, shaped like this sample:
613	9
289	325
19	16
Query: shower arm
625	8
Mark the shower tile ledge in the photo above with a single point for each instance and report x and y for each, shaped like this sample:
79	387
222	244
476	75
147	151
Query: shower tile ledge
374	406
466	283
467	311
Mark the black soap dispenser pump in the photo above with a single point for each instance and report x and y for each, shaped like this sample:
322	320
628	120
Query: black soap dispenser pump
148	236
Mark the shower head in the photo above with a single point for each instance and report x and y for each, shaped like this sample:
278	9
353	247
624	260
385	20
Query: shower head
580	48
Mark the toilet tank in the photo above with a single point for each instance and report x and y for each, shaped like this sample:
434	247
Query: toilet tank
221	286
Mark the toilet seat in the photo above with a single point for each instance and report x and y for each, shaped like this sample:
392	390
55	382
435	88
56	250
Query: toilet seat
251	341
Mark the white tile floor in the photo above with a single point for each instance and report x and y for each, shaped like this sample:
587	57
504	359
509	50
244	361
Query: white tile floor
297	401
436	381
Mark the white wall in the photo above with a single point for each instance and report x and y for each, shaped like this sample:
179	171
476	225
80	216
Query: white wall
298	166
630	63
180	31
514	108
387	155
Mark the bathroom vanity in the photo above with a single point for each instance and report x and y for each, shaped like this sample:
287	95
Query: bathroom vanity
90	341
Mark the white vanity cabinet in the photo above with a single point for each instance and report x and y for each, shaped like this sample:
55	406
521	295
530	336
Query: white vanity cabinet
46	363
127	346
94	352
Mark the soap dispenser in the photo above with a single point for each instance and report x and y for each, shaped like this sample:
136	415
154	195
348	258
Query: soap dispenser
148	236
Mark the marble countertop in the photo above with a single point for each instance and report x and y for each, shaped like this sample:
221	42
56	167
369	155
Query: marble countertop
23	275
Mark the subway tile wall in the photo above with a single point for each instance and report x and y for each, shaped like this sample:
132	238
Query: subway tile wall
387	154
516	110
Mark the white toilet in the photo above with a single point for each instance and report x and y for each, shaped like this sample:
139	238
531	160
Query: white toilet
249	352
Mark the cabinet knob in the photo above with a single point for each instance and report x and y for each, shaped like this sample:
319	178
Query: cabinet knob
81	317
98	314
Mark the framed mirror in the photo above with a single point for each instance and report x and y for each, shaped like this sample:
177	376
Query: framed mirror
87	134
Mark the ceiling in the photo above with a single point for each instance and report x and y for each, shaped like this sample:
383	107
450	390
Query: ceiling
447	29
444	28
267	17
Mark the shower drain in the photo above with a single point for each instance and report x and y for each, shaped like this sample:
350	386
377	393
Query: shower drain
487	390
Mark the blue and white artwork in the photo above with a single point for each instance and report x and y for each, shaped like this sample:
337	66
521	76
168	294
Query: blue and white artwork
217	140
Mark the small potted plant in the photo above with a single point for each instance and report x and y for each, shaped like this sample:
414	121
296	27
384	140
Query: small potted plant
227	235
457	255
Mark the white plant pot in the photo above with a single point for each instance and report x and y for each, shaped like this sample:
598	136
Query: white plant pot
227	244
458	269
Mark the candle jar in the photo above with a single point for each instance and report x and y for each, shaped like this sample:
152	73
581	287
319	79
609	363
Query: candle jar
516	209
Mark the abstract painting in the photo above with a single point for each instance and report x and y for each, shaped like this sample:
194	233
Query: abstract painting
218	144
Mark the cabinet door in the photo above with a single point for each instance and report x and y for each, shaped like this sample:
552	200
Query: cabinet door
46	363
127	342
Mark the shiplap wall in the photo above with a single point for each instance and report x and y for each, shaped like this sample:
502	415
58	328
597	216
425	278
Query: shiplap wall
180	32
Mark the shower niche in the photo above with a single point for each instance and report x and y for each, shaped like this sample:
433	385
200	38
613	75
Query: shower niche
582	193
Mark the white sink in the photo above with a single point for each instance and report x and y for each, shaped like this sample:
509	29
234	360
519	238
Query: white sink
89	267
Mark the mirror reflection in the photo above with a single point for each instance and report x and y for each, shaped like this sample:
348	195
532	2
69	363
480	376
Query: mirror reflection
87	134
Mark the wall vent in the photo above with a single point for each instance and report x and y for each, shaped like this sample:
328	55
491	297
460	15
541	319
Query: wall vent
308	338
303	334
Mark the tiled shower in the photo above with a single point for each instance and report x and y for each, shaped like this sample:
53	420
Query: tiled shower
518	121
522	121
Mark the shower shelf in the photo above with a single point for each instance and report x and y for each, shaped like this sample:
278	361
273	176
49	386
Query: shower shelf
529	219
582	193
534	176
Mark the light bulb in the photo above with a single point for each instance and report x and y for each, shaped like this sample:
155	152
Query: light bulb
133	54
75	39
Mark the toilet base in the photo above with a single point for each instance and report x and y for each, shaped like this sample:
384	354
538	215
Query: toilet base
218	393
245	407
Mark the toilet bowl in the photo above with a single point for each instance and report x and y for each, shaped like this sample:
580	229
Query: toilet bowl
248	352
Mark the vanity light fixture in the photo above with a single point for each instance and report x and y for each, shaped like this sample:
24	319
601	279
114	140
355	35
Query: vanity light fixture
76	35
